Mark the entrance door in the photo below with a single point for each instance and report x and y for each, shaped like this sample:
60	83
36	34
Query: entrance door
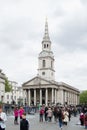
43	101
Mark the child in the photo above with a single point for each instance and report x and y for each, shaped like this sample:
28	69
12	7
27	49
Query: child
24	124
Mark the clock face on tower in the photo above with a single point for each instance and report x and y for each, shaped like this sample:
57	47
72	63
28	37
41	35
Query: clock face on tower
46	53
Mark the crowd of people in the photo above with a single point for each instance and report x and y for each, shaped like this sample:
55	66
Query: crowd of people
62	115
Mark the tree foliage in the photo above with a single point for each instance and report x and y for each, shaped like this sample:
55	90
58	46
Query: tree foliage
8	87
83	97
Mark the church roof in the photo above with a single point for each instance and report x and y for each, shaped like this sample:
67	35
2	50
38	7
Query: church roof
37	81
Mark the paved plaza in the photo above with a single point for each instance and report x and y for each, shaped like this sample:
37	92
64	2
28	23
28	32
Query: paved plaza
36	125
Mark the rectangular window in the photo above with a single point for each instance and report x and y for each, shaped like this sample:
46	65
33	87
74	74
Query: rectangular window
15	97
7	96
44	64
51	64
43	73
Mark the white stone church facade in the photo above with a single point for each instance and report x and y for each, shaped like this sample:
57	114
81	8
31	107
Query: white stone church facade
43	89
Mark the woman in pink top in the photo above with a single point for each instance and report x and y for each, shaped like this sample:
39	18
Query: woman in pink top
16	115
21	111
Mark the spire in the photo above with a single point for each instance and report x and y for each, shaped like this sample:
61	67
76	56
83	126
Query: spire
46	34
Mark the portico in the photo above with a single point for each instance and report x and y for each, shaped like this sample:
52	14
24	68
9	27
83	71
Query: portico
41	96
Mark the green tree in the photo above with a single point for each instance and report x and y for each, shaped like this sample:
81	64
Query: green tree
0	102
83	97
8	87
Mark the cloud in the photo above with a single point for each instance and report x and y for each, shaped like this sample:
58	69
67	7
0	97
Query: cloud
21	33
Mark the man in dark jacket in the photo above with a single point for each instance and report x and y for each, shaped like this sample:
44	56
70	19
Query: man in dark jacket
24	124
45	112
60	118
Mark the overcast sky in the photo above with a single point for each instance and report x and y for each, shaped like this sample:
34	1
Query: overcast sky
21	32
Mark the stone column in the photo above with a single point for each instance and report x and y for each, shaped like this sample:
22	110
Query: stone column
35	97
46	97
52	95
29	97
40	96
24	96
74	98
55	96
77	99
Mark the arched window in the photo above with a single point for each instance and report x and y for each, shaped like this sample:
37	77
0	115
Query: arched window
44	63
44	45
47	45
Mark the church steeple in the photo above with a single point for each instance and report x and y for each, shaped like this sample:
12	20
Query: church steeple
46	43
46	57
46	34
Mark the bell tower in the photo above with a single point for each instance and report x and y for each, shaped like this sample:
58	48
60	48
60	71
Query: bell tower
46	58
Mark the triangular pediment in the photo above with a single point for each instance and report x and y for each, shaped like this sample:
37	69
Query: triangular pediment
36	81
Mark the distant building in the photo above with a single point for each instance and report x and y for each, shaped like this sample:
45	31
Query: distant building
16	94
43	89
2	86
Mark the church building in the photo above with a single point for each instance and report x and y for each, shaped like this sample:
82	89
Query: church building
43	89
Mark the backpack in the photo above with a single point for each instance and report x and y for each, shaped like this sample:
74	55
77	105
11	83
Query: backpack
41	112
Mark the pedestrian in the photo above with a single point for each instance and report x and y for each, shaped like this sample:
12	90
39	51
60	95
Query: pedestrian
49	114
75	111
45	113
85	120
24	123
55	111
16	115
60	118
66	116
3	118
21	111
41	113
82	118
69	111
